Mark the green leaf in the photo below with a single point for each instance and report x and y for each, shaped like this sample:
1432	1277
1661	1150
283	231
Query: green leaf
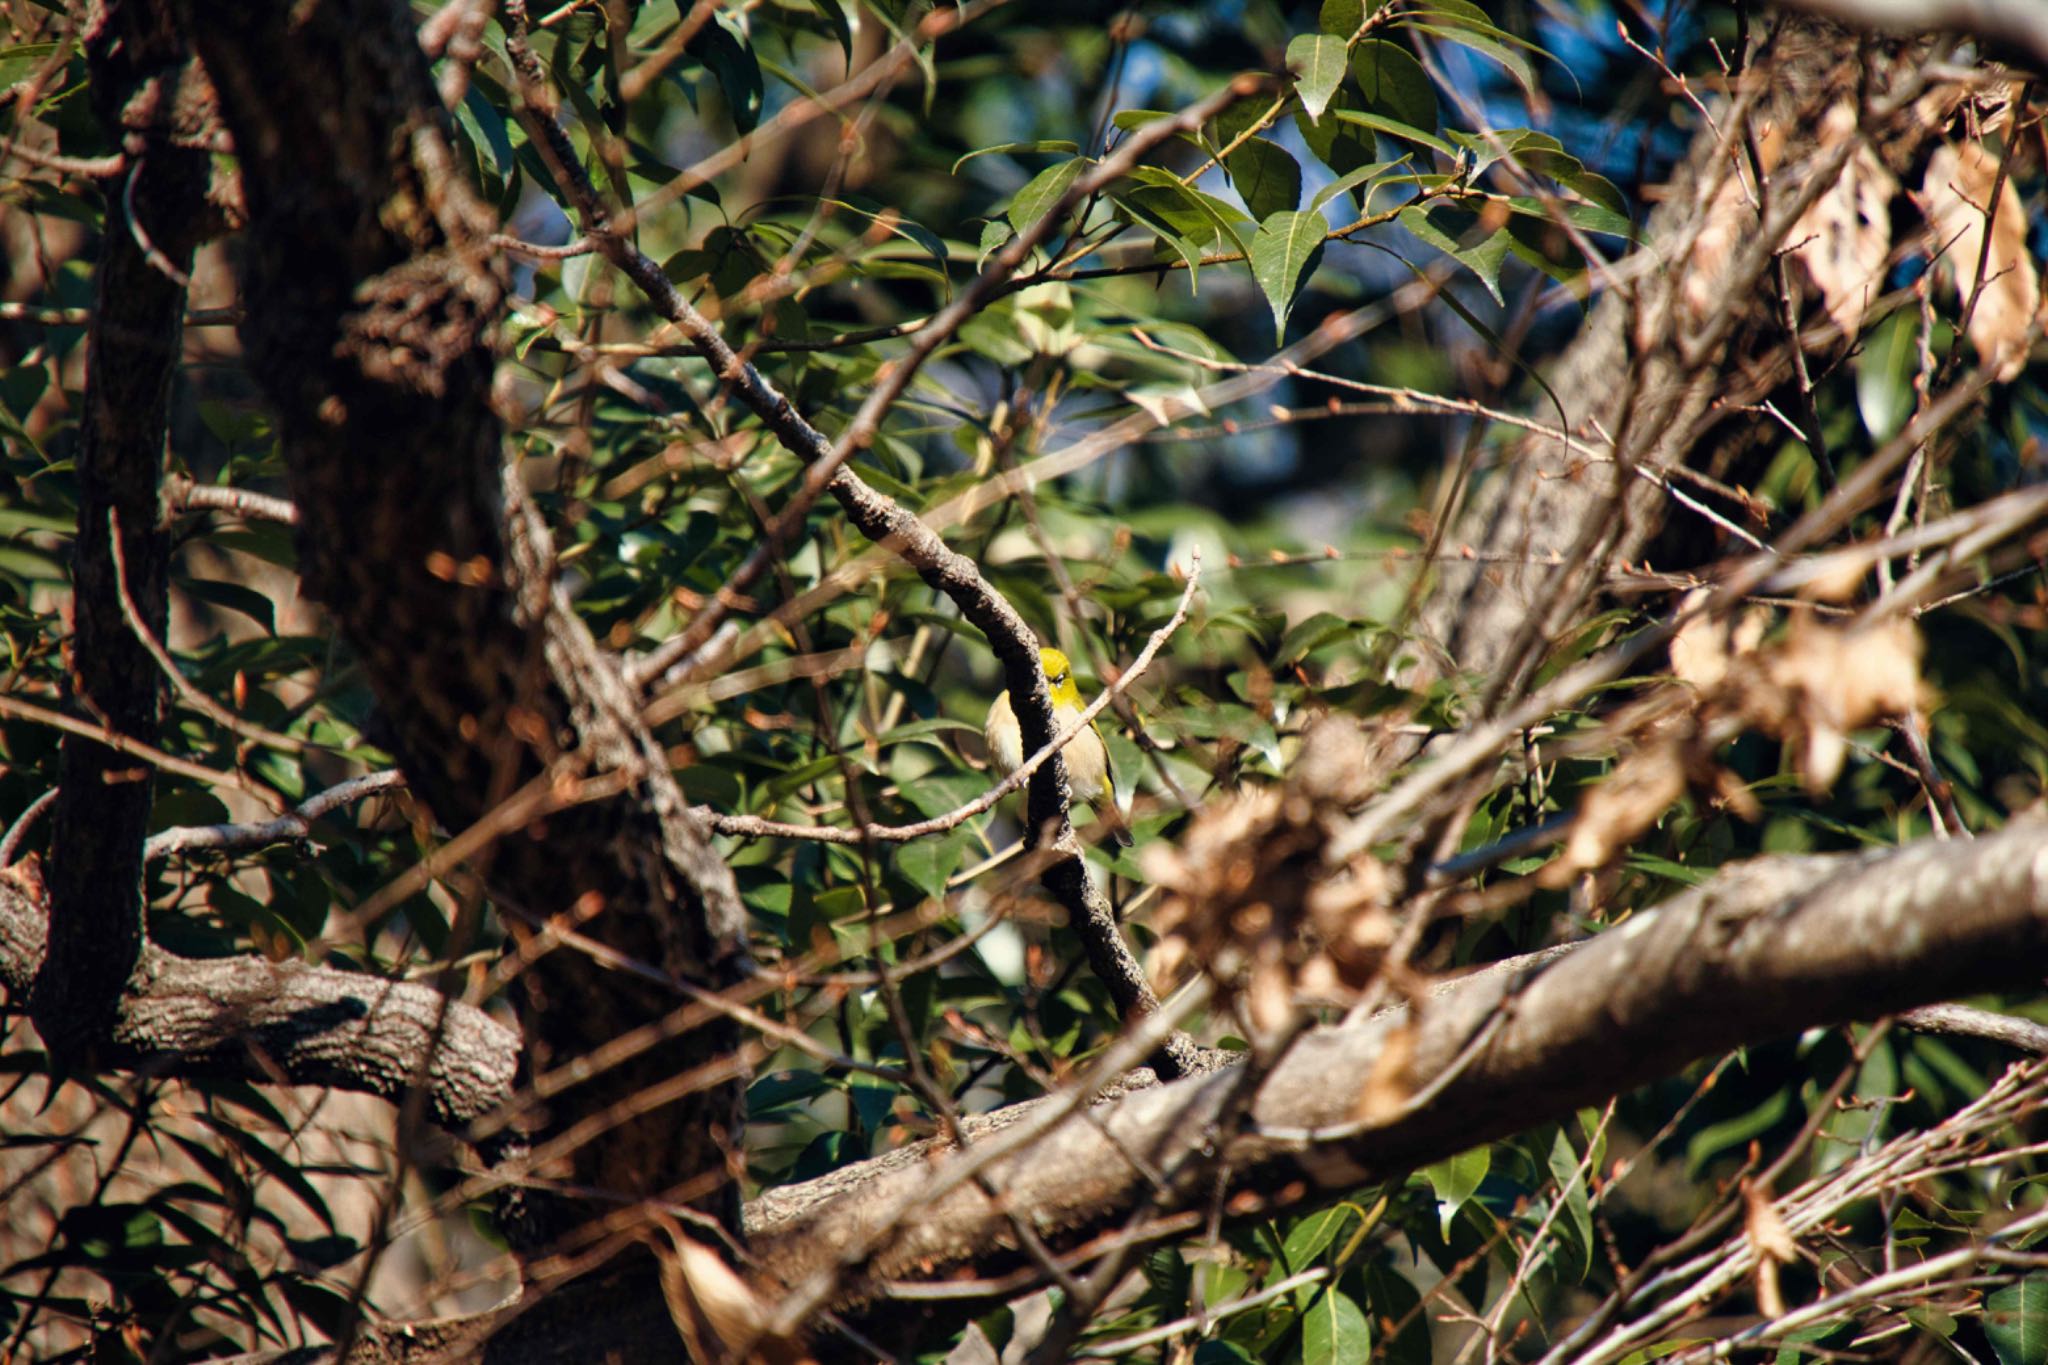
1005	149
1585	217
1308	1239
1351	180
1043	191
1456	1181
1311	634
2016	1320
1394	83
1571	1185
1341	18
1131	120
1718	1137
1334	1331
1152	209
1266	176
1487	43
927	863
18	63
1466	238
1341	146
841	23
1284	253
1884	373
1658	1350
1390	1298
1223	217
1365	118
733	63
1546	247
234	597
1318	62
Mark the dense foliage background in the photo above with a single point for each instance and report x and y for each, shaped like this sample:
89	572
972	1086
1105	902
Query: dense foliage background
1416	208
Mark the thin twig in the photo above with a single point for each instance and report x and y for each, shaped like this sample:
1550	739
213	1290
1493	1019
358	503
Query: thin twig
185	687
18	831
296	823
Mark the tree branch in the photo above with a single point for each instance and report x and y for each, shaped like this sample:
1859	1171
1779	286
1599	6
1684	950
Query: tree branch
139	65
1766	948
278	1023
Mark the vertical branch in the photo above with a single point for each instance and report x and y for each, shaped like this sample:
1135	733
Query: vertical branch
139	66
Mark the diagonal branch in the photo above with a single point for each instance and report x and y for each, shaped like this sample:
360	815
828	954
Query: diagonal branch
1765	949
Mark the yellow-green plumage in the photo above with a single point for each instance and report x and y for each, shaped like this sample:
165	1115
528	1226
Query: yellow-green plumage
1086	756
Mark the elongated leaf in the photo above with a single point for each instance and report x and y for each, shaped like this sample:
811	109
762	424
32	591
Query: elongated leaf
1266	176
1222	216
1487	44
1138	207
738	73
1466	238
1381	123
1457	1180
927	863
1394	83
1585	217
1313	1234
1283	254
1341	18
1131	120
1038	196
1884	373
1318	62
1571	1185
1351	180
20	62
1008	148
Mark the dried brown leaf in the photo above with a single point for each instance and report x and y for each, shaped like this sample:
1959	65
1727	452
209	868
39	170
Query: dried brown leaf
1844	236
1956	196
1632	798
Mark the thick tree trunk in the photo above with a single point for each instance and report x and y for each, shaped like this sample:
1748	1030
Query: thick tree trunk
153	224
370	294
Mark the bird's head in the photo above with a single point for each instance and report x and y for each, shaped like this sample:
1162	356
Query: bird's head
1059	678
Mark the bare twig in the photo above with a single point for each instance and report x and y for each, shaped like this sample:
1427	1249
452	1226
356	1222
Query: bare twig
148	753
182	492
23	822
184	686
296	823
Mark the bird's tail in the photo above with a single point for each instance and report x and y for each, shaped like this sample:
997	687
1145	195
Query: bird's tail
1110	812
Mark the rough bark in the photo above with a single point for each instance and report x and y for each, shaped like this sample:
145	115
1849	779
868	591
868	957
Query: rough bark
250	1019
370	294
1634	389
1765	949
140	71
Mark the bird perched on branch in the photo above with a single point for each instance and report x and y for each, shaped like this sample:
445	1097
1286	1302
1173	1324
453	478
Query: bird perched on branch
1086	755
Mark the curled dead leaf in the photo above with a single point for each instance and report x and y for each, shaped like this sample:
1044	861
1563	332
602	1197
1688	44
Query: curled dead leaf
718	1316
1610	817
1844	236
1957	198
1837	680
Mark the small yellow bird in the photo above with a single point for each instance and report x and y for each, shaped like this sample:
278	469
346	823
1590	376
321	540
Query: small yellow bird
1086	755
